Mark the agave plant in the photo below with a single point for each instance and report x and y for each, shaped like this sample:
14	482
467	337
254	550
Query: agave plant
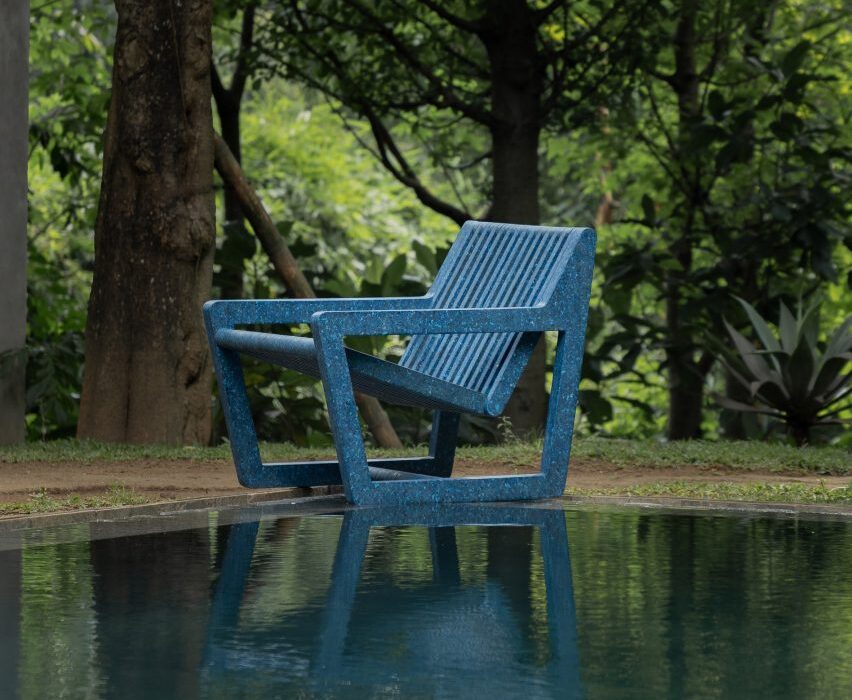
792	377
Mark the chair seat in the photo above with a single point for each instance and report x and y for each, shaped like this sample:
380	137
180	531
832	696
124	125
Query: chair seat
370	375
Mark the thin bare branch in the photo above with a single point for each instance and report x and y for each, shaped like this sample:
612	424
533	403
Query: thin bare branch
445	95
241	70
466	25
220	92
396	163
542	14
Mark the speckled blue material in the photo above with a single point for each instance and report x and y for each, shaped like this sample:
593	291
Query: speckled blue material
472	335
346	574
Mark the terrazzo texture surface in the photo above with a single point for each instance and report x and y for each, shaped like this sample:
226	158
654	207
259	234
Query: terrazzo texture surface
500	287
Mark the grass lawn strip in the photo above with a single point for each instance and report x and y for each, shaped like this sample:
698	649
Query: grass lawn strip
728	491
42	502
747	455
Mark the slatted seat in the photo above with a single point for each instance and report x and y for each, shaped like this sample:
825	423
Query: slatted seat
500	287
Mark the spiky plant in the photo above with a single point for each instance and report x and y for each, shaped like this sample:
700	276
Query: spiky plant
792	376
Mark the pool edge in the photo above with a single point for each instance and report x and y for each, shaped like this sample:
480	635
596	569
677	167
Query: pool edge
302	504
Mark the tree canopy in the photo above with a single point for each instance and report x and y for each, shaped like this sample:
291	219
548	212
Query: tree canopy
708	143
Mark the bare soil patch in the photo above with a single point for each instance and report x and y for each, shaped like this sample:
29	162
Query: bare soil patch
163	479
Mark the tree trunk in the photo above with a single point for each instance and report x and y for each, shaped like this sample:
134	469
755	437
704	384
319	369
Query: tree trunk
147	375
238	245
737	425
686	397
685	378
510	39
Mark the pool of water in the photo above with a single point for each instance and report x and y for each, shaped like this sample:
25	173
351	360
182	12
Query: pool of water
460	602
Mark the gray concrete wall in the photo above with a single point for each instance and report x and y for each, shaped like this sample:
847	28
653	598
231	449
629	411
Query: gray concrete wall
10	620
14	60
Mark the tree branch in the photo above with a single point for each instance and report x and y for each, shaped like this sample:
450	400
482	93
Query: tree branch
241	70
575	45
221	95
448	97
398	166
288	270
458	22
387	151
476	70
542	14
474	161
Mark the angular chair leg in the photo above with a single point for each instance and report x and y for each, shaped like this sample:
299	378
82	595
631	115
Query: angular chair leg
253	473
343	417
346	573
559	428
233	573
561	611
235	404
549	483
442	450
442	442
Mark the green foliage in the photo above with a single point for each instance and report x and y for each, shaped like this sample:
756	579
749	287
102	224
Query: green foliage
767	150
794	376
362	234
70	48
741	187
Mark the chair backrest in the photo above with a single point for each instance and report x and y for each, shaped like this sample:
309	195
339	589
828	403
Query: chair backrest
489	266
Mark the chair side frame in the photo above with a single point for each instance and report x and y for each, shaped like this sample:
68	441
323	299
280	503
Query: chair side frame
419	479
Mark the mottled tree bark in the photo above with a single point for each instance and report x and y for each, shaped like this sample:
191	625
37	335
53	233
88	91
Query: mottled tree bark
147	375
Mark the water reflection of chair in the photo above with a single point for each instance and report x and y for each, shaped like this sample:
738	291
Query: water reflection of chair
441	629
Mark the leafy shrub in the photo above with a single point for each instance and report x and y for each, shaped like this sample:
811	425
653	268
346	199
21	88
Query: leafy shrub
792	377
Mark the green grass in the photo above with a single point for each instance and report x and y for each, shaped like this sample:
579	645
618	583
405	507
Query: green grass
756	456
747	455
727	491
42	502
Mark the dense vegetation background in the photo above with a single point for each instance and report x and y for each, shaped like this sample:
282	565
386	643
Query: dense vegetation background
708	143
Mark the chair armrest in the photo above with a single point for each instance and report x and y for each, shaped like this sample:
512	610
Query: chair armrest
231	313
436	321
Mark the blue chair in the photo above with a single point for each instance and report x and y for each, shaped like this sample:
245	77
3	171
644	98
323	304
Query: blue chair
500	287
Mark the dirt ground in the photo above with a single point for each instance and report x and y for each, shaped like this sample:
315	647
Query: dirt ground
179	479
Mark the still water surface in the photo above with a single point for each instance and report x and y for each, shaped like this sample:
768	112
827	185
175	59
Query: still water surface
462	602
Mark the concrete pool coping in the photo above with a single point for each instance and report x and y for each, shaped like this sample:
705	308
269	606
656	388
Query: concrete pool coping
195	512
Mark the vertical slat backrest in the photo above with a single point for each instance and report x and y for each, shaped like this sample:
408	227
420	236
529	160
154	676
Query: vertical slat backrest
489	266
